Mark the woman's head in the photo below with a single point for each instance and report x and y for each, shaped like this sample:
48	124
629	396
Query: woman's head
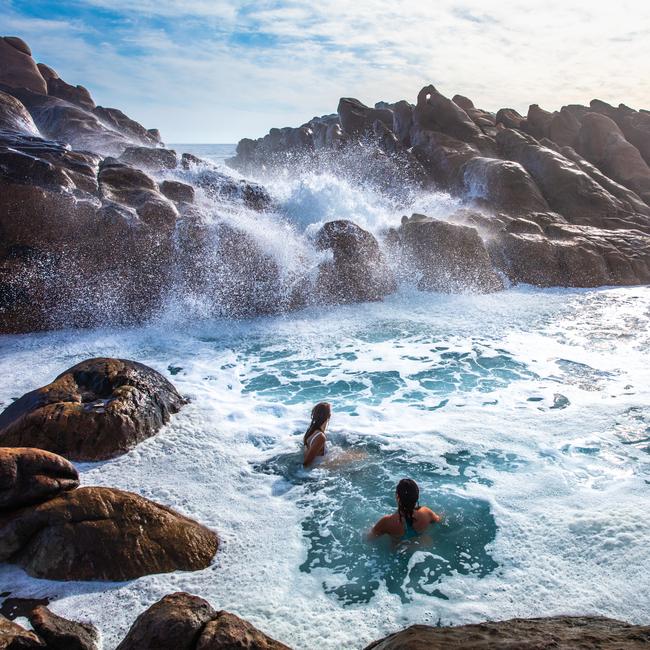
320	415
408	495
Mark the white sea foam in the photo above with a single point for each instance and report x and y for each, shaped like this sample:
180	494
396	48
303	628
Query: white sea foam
546	497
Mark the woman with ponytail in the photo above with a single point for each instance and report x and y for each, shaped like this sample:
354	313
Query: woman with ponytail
314	439
411	519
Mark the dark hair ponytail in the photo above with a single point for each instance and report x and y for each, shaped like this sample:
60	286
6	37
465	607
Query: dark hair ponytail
408	493
320	414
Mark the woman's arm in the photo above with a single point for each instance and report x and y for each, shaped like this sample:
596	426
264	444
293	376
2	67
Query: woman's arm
316	448
379	528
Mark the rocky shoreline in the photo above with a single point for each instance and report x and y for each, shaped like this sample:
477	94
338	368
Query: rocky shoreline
103	225
98	227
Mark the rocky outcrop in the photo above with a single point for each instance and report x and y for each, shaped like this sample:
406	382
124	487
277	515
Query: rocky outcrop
15	637
61	634
95	410
177	192
96	533
559	632
602	143
149	158
358	271
15	117
446	257
29	476
180	621
17	67
56	87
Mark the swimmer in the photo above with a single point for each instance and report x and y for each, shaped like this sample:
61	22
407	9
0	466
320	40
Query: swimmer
410	520
314	440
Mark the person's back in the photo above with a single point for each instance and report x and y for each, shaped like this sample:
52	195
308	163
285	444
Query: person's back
410	520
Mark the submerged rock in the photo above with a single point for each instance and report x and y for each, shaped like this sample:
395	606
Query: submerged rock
559	632
358	271
95	410
96	533
61	634
29	476
181	621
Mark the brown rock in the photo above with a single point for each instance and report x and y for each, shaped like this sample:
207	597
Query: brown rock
15	117
56	87
17	68
510	118
173	623
133	131
568	189
563	128
559	633
177	191
62	634
229	632
98	409
537	121
29	476
448	257
357	118
14	637
358	272
149	157
96	533
435	112
602	143
502	185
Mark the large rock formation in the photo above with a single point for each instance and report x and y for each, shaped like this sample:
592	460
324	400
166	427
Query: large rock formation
96	533
95	410
559	633
180	621
358	271
447	257
563	196
29	476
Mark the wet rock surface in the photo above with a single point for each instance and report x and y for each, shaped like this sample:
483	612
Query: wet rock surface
61	634
96	533
358	271
560	632
181	621
30	476
98	409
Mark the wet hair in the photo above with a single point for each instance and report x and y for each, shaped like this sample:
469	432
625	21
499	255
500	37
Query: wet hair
408	494
320	414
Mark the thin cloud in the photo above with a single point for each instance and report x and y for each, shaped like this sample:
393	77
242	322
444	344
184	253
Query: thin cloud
218	71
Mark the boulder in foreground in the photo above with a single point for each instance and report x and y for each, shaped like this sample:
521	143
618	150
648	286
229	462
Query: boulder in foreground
29	476
97	533
558	632
96	410
61	634
181	621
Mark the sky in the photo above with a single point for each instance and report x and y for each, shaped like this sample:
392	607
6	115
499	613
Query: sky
219	70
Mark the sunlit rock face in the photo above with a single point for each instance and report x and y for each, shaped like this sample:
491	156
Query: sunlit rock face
563	195
101	224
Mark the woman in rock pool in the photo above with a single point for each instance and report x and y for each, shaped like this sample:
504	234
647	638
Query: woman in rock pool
410	520
314	440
